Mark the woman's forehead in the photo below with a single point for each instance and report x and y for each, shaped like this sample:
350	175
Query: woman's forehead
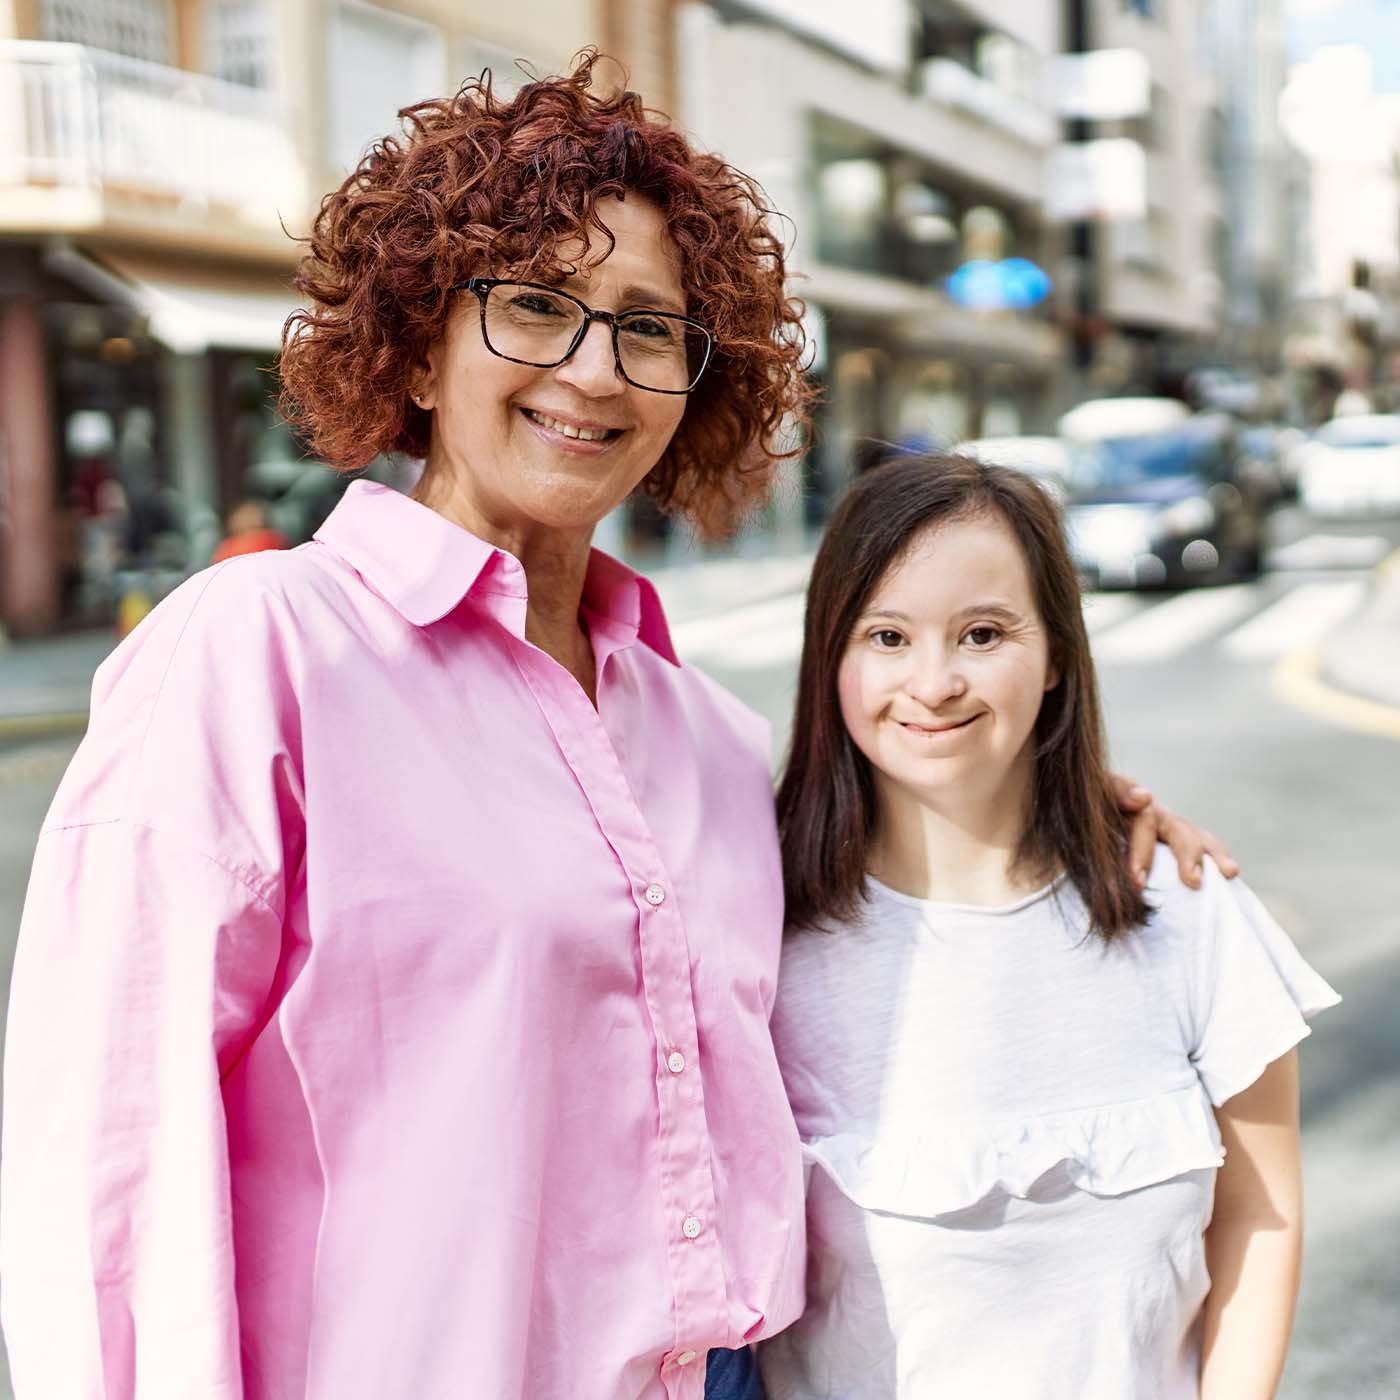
640	254
959	558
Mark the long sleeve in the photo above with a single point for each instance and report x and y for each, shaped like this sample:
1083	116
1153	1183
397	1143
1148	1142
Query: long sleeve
142	968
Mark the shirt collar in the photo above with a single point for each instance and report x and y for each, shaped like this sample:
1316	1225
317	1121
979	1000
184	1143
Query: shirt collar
424	566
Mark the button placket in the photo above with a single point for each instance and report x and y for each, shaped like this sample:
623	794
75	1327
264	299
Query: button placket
687	1186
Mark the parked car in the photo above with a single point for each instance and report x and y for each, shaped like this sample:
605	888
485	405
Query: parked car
1044	458
1351	466
1164	508
1267	453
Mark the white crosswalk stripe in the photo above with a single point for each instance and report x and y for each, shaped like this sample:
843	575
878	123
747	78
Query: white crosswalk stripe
1171	627
1296	620
1324	551
1103	610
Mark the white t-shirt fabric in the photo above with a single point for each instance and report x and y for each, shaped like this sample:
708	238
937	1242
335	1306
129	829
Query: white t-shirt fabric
1010	1140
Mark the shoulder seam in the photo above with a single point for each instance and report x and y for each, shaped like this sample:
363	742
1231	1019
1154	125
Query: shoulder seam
169	662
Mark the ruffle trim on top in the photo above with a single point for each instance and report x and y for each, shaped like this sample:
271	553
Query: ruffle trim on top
1107	1151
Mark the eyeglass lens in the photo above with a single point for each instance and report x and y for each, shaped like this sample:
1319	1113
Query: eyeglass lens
658	351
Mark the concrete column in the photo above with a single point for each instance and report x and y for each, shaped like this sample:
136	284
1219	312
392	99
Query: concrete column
29	582
190	433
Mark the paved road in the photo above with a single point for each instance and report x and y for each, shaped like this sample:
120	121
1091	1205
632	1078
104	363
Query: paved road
1310	808
1313	812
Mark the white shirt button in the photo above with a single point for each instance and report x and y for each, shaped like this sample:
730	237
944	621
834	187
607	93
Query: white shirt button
675	1062
685	1358
691	1227
655	894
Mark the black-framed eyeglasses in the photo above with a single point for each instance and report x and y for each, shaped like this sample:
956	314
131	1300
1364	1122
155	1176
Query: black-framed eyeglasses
533	324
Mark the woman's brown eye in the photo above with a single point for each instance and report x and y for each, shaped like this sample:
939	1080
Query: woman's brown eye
983	636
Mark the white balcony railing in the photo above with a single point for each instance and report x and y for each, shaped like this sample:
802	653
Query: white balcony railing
948	82
73	116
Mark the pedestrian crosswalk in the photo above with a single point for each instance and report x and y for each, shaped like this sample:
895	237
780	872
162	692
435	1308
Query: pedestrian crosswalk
1241	623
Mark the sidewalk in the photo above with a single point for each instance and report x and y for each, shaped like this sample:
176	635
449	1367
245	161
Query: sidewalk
44	683
1362	658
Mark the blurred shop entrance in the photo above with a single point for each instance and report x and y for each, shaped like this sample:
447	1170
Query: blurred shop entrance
139	411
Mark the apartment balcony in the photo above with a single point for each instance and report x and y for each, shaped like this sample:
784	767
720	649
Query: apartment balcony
95	143
945	81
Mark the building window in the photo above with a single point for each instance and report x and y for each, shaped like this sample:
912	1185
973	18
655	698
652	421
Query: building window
507	76
239	42
137	28
380	62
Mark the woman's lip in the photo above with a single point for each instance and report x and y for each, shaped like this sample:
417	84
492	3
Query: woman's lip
579	447
940	729
586	423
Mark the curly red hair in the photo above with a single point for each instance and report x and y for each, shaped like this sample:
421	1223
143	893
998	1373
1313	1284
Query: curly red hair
477	184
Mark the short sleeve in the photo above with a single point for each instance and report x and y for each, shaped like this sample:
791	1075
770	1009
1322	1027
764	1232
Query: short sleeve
1251	992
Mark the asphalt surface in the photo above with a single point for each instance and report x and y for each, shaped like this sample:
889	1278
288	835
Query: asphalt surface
1310	807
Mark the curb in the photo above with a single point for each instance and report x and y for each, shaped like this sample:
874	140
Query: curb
1298	680
1301	679
61	725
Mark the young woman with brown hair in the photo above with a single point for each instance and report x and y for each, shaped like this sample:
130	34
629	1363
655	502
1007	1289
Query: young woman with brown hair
1015	1072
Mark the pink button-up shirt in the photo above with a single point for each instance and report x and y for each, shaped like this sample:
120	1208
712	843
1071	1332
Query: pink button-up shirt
388	1023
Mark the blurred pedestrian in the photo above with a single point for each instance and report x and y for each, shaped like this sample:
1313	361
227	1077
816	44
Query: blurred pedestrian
390	1016
248	533
1016	1073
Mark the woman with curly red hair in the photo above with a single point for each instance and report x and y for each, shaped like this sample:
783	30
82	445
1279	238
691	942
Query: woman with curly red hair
390	1016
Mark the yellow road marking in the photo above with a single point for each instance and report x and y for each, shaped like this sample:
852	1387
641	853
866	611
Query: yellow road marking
1298	680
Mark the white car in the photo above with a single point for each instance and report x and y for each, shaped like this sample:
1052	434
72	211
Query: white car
1044	458
1352	466
1098	420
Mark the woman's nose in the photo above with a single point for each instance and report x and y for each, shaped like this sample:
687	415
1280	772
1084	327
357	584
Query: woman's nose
592	368
934	678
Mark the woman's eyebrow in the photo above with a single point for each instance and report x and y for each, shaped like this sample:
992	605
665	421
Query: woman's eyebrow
1000	610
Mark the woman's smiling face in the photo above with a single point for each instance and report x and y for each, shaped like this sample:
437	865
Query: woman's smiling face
942	679
503	432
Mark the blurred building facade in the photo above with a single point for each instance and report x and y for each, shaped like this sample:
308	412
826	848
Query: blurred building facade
1160	277
1258	237
904	142
155	155
1345	324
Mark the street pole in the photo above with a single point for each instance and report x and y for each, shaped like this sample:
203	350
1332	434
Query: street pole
1081	234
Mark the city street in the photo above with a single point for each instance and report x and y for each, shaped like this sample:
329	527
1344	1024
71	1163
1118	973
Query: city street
1191	685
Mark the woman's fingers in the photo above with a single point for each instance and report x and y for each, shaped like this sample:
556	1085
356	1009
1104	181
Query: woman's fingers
1142	842
1150	822
1215	849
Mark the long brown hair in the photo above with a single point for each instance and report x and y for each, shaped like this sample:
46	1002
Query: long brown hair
826	797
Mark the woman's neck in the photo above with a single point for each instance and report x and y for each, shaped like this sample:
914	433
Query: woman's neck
556	567
959	852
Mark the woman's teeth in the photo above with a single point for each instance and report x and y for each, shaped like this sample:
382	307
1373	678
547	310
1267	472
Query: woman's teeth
568	429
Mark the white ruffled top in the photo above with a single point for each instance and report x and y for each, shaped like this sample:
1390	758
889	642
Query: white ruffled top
1011	1141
